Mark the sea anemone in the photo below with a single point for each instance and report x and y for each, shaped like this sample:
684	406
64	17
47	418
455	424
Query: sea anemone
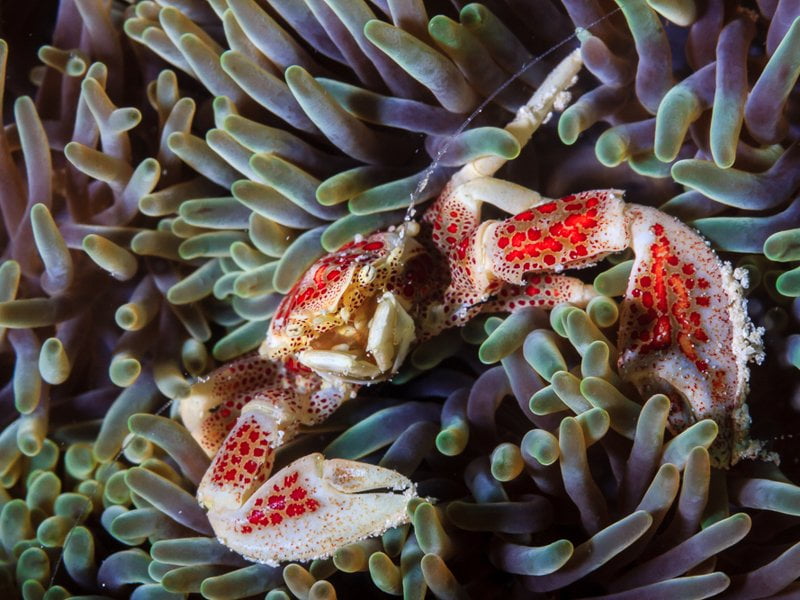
181	163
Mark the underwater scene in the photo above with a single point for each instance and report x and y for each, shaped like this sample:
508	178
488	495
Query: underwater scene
359	299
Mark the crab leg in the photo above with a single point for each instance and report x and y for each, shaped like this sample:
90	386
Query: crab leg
304	511
510	263
551	95
684	330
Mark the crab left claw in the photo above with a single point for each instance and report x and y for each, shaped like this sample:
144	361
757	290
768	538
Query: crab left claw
312	507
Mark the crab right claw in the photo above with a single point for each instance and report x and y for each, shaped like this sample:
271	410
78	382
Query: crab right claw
684	332
312	507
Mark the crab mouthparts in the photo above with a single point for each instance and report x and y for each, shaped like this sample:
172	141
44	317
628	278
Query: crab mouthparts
389	339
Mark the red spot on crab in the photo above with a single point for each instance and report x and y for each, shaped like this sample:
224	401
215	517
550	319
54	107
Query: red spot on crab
463	246
295	510
551	244
662	332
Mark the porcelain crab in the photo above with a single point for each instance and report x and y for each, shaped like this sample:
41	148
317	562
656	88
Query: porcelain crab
355	314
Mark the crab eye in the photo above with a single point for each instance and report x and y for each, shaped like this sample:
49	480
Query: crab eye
294	329
367	274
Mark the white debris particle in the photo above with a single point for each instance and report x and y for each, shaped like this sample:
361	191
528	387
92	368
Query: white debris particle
562	100
742	275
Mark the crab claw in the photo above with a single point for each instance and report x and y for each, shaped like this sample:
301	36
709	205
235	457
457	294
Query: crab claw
312	507
684	331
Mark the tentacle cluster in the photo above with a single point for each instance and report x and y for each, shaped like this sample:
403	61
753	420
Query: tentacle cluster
715	118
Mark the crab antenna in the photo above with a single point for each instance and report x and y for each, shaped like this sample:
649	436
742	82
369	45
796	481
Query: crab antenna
549	95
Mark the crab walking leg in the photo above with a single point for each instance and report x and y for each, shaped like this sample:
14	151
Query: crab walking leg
684	331
307	509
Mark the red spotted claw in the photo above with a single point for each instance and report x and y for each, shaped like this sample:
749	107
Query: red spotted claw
356	313
684	332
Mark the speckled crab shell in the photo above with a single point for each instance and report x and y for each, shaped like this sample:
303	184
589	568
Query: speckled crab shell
339	292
